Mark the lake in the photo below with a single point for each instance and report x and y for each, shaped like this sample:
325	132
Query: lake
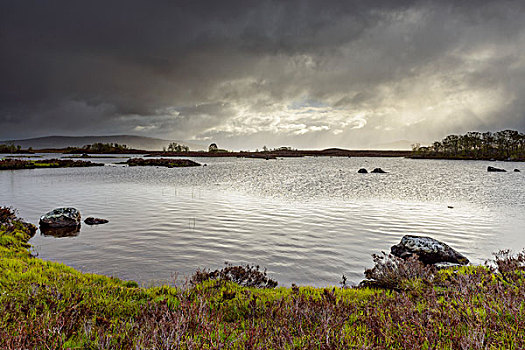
307	220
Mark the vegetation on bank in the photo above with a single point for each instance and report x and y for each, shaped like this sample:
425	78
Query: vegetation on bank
15	164
49	305
501	145
170	163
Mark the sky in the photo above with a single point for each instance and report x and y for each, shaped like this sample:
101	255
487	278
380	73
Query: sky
244	74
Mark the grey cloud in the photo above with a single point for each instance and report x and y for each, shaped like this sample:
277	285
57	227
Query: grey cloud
229	69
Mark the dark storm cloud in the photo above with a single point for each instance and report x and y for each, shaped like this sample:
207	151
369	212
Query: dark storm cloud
302	72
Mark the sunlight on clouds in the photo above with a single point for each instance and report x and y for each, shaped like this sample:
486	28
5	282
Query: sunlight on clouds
291	119
145	127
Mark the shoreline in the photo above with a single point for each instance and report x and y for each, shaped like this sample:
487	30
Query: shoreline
331	152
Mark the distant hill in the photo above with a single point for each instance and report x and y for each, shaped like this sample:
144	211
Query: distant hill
132	141
395	146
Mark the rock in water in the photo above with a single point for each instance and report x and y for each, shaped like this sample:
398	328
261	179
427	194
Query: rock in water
517	170
362	171
61	217
378	171
95	221
428	250
495	170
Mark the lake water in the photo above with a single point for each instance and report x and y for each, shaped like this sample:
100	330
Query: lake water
307	220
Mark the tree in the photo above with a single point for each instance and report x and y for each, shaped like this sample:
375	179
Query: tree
175	147
437	147
213	148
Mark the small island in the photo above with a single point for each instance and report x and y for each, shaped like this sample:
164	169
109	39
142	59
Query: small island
16	164
169	163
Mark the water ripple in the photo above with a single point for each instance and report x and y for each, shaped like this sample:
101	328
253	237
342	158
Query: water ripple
307	220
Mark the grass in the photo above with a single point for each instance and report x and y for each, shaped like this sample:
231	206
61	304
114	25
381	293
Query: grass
51	306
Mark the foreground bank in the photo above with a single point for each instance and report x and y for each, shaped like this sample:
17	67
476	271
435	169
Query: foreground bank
49	305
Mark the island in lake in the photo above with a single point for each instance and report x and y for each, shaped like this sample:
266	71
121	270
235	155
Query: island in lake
501	145
16	164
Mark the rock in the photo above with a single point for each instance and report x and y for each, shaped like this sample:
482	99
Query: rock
95	221
378	171
495	170
362	171
61	217
428	250
517	171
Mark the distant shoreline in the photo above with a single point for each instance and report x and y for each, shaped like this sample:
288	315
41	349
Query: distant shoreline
331	152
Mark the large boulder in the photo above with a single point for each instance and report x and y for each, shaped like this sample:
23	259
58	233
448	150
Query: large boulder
491	169
428	250
362	171
60	217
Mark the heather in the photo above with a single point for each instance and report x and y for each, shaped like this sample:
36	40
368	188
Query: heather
411	306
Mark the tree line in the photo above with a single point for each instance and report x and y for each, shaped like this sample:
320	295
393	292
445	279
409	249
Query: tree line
501	145
99	147
175	147
10	148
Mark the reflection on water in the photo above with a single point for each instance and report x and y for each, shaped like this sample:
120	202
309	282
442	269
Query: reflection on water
308	220
71	231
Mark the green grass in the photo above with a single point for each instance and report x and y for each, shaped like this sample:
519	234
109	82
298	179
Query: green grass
49	305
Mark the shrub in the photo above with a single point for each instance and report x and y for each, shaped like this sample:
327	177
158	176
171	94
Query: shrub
391	272
246	276
511	267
